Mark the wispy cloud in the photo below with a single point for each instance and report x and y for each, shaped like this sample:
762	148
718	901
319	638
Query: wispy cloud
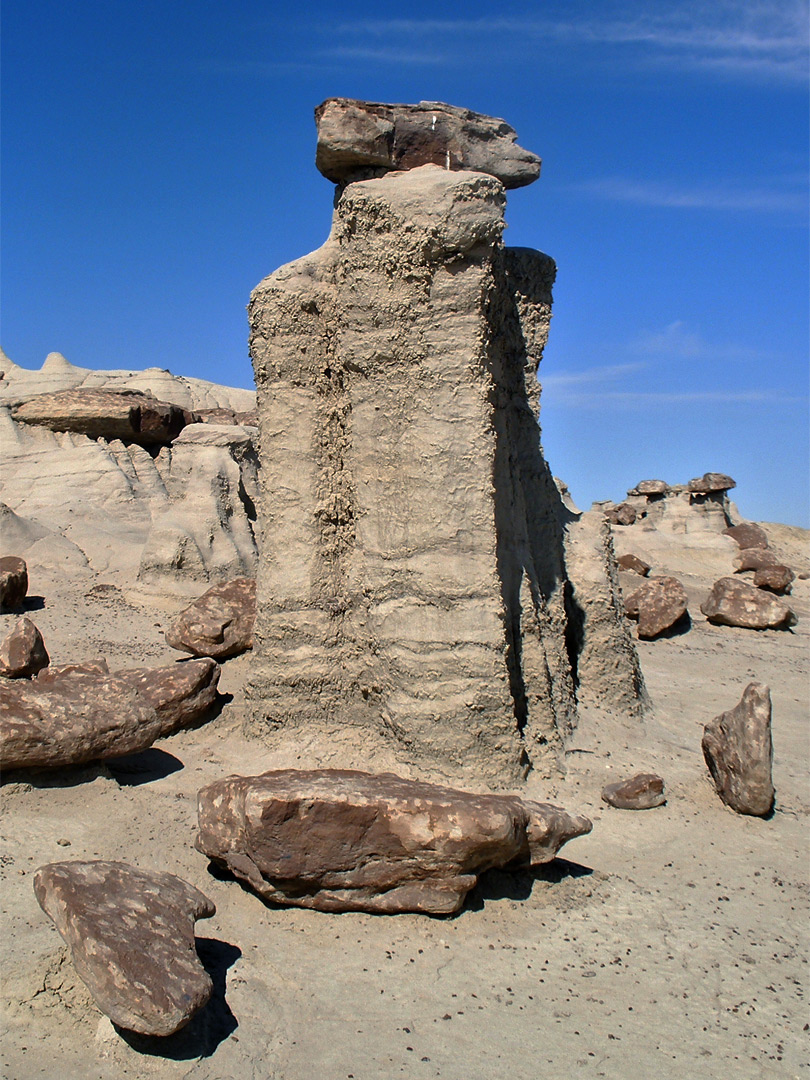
676	342
384	55
591	376
761	199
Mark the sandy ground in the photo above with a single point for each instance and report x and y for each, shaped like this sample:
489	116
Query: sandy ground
668	943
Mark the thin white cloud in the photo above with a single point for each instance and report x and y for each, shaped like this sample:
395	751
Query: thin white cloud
677	342
386	55
592	375
646	399
761	199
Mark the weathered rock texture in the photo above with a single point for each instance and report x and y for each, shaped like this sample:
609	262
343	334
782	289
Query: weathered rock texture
219	624
75	714
736	603
658	605
748	535
641	792
350	841
702	505
131	937
13	581
129	415
361	139
777	578
738	749
755	558
412	577
22	651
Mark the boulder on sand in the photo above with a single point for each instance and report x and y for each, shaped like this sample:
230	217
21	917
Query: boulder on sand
641	792
340	840
748	535
754	559
777	578
634	564
220	623
738	750
23	652
13	582
131	937
733	602
658	604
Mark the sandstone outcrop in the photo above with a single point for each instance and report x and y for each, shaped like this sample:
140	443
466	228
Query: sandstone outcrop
733	602
129	415
219	624
413	577
74	715
22	651
777	578
13	582
658	604
738	749
131	938
641	792
362	139
702	505
351	841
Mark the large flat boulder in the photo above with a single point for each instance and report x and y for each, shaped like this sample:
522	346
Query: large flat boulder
74	715
738	749
129	415
219	624
131	937
733	602
360	139
339	840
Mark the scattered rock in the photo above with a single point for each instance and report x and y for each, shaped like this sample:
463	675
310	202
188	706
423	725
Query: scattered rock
641	792
23	652
129	415
748	535
13	582
621	514
711	482
361	139
754	559
658	605
634	564
733	602
339	840
738	749
73	716
777	579
219	624
131	937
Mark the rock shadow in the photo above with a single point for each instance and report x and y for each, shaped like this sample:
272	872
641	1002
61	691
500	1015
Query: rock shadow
501	884
143	767
210	1026
32	603
678	629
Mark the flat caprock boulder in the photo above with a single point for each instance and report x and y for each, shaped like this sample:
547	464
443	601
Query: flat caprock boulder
129	415
131	937
75	715
361	139
738	749
339	840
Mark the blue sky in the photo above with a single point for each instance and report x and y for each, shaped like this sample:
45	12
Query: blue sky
158	161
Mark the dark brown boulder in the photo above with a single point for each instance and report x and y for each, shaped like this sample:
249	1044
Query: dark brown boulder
658	604
711	482
622	514
73	716
219	624
738	750
131	938
128	415
650	487
641	792
23	652
350	841
748	535
733	602
777	579
754	559
13	582
634	564
361	139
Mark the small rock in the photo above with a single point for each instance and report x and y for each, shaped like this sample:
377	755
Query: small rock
733	602
748	535
776	579
754	559
634	564
219	624
641	792
658	605
738	750
13	582
131	937
622	514
711	482
23	652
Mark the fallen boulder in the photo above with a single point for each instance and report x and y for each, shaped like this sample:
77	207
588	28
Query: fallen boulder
754	559
733	602
73	716
129	415
131	937
340	840
13	582
711	482
738	750
23	652
641	792
621	514
777	579
634	564
658	604
748	535
220	623
361	139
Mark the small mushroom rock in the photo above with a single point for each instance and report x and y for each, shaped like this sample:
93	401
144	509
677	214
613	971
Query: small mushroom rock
131	937
640	792
650	487
658	604
738	750
733	602
23	652
711	482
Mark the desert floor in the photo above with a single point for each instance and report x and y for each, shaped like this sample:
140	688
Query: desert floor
667	943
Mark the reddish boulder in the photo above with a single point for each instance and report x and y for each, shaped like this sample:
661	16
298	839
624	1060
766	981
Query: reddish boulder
754	559
13	582
219	624
23	652
658	604
733	602
131	937
622	514
129	415
711	482
641	792
634	564
339	840
650	487
738	750
748	535
777	579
